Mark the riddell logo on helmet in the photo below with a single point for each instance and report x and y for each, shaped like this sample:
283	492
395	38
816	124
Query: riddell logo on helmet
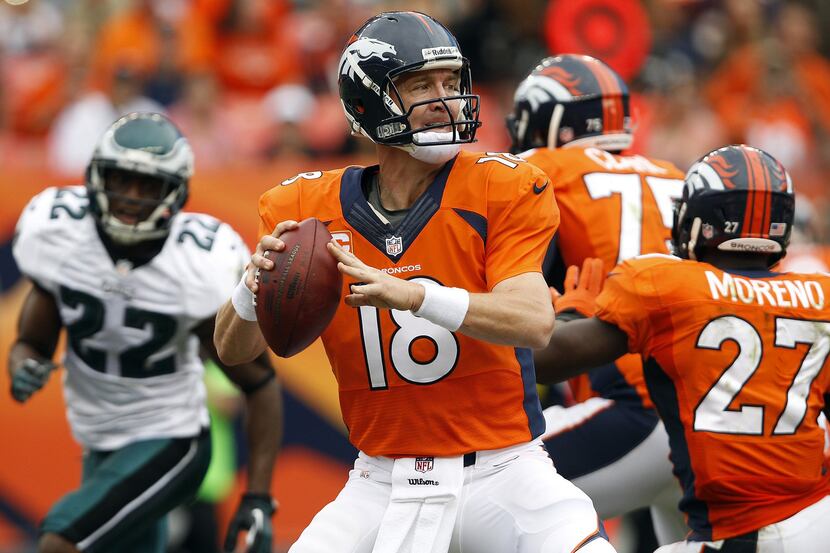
441	52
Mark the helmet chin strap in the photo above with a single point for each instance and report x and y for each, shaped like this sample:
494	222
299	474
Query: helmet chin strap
423	147
695	232
553	127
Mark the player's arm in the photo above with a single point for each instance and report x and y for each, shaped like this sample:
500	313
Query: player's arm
263	399
263	402
578	346
517	312
30	358
237	336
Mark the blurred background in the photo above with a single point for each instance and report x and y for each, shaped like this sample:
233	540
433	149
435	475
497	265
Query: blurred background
252	83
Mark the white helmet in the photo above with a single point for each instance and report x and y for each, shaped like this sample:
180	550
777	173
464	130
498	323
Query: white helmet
146	144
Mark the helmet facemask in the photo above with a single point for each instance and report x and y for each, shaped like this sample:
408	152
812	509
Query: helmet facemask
154	211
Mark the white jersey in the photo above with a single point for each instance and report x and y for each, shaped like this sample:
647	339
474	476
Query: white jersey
132	361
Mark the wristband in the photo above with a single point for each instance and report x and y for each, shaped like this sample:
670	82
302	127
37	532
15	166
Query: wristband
444	306
244	301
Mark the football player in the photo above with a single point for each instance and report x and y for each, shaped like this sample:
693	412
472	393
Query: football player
735	358
571	118
443	301
136	282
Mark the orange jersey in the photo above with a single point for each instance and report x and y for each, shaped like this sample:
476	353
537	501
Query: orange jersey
407	386
736	366
613	208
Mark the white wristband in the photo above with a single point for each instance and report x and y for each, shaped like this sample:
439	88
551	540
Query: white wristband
444	306
244	301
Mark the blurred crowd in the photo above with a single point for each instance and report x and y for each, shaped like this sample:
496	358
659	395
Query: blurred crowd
249	81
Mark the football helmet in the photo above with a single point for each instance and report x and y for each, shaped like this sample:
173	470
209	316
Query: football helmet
384	48
736	198
146	144
570	100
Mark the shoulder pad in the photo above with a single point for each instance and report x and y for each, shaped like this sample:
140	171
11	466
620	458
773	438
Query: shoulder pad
210	257
649	260
53	222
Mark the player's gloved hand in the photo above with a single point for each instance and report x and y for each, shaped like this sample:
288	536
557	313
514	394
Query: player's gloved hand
29	377
582	288
554	295
254	515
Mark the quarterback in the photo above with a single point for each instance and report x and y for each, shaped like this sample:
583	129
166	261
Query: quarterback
443	298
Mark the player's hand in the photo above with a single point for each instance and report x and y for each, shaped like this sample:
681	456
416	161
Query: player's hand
29	377
258	260
254	515
582	288
374	287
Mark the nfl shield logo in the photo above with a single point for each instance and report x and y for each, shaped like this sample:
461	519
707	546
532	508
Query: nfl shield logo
394	245
424	464
707	231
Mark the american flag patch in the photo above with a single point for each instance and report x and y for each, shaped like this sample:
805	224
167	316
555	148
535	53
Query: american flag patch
778	229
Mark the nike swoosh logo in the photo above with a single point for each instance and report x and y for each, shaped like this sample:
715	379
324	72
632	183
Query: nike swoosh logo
538	190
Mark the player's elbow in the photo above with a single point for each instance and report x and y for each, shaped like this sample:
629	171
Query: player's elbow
539	336
539	340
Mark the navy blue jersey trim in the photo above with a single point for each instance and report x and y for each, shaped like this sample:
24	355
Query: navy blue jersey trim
609	382
605	438
752	274
532	407
664	395
478	222
362	218
553	266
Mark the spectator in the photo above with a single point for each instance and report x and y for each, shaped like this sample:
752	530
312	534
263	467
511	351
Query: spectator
80	124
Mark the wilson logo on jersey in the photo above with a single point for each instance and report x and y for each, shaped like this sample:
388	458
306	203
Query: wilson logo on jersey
424	464
394	245
422	482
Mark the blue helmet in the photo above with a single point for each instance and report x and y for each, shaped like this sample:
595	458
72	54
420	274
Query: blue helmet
736	198
570	100
386	47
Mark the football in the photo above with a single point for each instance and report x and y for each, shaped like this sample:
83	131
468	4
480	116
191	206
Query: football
297	300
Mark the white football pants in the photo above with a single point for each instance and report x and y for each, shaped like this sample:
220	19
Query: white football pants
512	501
641	477
807	531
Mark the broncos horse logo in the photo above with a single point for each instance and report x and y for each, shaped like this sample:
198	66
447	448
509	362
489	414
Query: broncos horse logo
365	49
537	90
